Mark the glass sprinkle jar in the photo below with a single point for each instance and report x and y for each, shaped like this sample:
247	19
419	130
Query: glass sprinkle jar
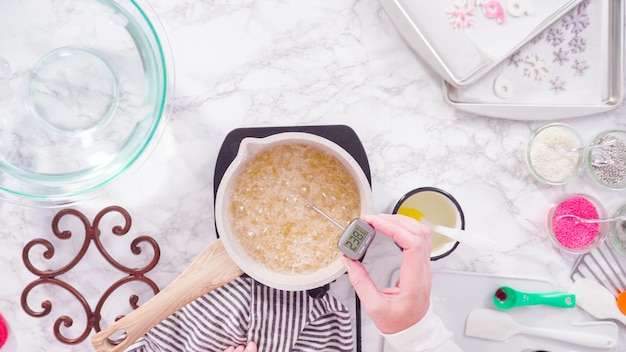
550	156
618	232
607	165
570	234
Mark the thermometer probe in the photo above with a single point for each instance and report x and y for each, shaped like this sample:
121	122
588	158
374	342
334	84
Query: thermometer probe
356	237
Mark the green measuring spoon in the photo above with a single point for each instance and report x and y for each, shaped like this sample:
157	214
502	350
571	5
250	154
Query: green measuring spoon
507	298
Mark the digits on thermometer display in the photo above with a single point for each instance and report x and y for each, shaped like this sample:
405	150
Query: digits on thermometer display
356	238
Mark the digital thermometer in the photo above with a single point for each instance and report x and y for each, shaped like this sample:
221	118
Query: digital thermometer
356	237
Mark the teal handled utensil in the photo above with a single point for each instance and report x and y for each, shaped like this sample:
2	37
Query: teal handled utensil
507	298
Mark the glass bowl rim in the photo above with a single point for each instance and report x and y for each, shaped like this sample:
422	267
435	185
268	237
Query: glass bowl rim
613	232
86	183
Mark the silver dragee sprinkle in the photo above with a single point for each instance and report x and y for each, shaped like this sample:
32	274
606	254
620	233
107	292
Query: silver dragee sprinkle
613	174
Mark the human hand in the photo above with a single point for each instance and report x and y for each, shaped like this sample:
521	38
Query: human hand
394	309
250	347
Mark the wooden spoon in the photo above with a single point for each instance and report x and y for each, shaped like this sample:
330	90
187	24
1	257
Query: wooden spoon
211	269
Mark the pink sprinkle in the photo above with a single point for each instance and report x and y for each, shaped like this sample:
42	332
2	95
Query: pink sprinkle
570	232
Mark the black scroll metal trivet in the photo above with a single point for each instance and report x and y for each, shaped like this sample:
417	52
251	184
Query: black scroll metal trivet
51	276
342	135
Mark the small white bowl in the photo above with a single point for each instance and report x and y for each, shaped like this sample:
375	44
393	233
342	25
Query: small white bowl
442	209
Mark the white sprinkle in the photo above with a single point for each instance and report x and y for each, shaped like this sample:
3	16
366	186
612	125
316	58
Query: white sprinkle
551	156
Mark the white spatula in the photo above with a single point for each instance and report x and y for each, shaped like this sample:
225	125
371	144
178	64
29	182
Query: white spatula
596	300
499	326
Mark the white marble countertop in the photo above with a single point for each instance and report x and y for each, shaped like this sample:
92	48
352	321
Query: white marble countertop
276	63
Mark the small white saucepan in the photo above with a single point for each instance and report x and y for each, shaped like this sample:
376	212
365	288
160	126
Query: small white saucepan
225	260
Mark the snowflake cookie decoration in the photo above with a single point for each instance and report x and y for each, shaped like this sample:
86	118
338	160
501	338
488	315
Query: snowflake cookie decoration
583	5
537	38
577	20
560	56
516	59
557	85
536	67
577	44
462	14
555	36
579	67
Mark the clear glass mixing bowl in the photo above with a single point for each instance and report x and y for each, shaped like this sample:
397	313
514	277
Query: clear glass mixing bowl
84	88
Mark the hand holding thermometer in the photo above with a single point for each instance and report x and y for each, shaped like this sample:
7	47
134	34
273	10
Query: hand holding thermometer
356	237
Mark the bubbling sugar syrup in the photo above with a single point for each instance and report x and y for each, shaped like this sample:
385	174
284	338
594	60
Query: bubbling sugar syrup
269	211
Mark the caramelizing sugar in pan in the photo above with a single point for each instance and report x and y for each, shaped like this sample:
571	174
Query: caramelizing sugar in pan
269	212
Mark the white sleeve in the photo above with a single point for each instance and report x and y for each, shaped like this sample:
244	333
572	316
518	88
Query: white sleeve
427	335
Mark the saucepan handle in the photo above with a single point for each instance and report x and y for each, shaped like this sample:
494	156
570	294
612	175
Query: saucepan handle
211	269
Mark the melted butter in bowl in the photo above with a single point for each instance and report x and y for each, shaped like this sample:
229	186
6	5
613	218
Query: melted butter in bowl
439	207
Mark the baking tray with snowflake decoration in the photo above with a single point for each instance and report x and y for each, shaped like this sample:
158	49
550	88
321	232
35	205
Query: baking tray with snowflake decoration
462	40
573	68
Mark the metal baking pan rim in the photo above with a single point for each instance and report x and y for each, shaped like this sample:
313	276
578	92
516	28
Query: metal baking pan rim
537	111
562	111
421	46
418	43
533	112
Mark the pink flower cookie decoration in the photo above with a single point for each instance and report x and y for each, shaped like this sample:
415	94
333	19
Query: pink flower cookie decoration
494	9
462	14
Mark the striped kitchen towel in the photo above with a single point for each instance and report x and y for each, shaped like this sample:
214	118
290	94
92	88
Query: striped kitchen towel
245	310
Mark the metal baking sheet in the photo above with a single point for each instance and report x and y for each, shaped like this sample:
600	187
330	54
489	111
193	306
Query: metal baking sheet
573	68
464	39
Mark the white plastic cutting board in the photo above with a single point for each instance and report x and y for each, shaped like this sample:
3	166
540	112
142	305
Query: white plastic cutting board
456	294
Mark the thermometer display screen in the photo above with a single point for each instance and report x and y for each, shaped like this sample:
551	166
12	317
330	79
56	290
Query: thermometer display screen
356	238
